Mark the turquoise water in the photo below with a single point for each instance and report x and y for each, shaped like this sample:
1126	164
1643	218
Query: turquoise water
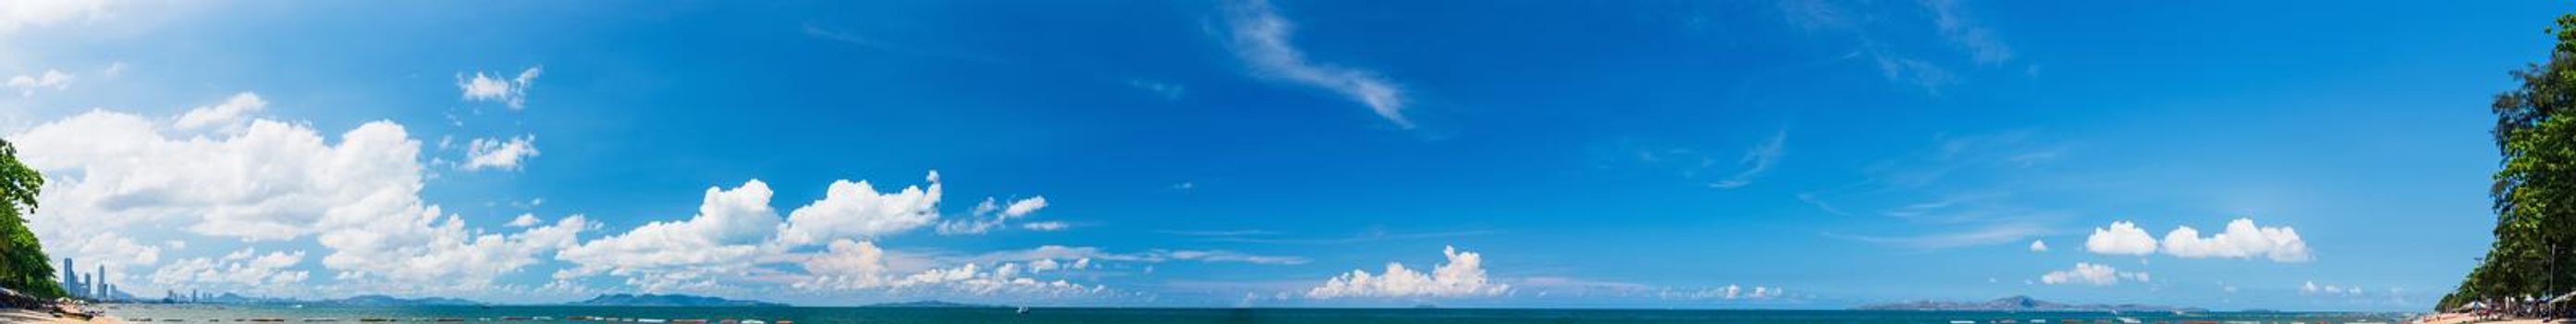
811	315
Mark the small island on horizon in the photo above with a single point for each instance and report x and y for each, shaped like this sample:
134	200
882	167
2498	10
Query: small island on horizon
931	304
2022	304
672	300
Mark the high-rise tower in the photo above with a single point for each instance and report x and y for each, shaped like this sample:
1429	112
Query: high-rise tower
71	280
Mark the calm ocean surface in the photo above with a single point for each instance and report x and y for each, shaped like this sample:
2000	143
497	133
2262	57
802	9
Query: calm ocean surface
803	315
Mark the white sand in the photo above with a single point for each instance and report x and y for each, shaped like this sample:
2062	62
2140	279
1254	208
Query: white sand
30	316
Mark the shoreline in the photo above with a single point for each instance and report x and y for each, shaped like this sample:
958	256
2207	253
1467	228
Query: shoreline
2463	318
33	316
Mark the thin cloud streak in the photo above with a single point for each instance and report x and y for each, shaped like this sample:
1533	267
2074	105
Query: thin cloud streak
1756	160
1370	237
1260	38
1991	235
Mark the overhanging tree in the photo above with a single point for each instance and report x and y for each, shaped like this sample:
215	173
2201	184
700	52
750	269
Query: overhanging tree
23	265
2535	132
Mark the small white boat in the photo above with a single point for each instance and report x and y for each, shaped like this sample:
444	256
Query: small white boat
753	322
1962	322
651	320
2129	320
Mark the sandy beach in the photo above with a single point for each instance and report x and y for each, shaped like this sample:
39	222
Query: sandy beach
30	316
2469	319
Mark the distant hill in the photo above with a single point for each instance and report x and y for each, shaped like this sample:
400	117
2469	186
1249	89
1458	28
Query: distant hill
932	304
668	300
2023	304
382	300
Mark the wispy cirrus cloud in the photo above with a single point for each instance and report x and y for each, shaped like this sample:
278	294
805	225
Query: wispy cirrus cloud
1757	160
2000	233
1968	38
1370	236
1260	38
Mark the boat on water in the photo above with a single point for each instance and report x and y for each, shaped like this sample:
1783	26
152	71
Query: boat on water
753	322
2128	320
1024	310
651	320
325	319
1962	322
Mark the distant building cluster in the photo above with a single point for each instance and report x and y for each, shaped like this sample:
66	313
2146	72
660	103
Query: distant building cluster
91	286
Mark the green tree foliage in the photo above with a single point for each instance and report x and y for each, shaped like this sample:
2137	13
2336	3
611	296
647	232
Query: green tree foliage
23	265
2535	247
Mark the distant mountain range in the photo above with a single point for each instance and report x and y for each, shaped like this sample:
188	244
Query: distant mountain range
2023	304
932	304
363	300
382	300
669	300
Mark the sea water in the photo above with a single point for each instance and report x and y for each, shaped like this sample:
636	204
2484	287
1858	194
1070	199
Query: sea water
852	315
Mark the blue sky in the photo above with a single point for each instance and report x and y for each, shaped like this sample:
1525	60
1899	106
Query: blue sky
1752	154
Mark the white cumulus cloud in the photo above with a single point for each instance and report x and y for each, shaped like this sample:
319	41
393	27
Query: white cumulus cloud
246	269
524	220
113	175
492	87
855	209
36	13
2241	240
2091	274
28	84
859	265
991	214
228	114
2038	246
1462	276
737	235
486	153
723	239
2123	238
